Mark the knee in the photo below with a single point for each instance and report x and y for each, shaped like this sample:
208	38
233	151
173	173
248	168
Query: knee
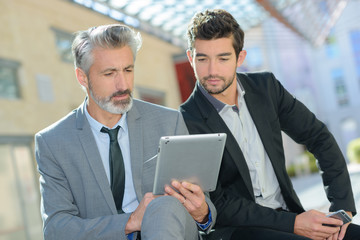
165	203
170	218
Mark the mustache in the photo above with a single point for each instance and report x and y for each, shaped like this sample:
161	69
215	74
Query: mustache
213	77
119	93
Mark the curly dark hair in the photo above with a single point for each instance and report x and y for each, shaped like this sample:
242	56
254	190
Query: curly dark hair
214	24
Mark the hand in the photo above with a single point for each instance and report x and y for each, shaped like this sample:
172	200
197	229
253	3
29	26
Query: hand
134	222
192	197
344	228
333	237
310	224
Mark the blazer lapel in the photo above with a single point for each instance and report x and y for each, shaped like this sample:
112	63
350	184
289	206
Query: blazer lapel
257	107
136	144
88	143
217	125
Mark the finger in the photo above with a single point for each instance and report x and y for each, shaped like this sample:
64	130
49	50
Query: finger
179	187
343	231
171	192
332	237
331	221
194	188
186	188
324	235
330	230
335	236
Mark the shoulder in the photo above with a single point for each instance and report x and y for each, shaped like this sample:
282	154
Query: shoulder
191	104
262	83
256	79
164	120
65	124
151	108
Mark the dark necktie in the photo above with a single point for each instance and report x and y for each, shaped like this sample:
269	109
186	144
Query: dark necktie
117	170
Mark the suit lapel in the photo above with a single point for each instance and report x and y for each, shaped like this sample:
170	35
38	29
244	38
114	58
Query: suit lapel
88	143
217	125
136	145
257	106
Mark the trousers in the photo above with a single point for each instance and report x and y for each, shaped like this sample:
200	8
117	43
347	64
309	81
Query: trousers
166	218
255	233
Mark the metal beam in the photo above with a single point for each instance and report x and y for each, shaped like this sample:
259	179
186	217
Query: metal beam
276	14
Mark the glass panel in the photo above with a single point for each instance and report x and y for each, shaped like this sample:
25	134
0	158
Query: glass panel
8	82
340	88
11	224
27	181
20	214
63	45
355	42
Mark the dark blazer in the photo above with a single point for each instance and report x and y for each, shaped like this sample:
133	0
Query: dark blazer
273	110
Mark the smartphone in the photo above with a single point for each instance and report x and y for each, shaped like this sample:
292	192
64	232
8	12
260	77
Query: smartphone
341	215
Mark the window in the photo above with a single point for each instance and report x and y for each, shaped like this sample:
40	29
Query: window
340	88
9	87
20	199
331	47
63	44
355	42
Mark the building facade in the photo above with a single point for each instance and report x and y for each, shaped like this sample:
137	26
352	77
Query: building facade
38	87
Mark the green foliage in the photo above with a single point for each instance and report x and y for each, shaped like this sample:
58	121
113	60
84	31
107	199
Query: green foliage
291	171
312	162
353	151
301	168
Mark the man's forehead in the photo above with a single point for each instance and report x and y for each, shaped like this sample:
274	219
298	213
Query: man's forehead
212	46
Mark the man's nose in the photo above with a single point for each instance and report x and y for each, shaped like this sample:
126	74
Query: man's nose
120	81
213	68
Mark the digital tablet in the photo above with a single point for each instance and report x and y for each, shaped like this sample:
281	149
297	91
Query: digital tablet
193	158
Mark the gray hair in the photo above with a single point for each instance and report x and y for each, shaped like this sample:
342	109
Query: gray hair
106	36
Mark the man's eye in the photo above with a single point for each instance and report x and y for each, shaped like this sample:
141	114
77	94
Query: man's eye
201	59
224	59
129	70
108	74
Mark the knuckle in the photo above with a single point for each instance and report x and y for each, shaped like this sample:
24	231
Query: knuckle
196	188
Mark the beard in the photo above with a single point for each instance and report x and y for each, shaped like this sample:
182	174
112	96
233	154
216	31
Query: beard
115	107
226	83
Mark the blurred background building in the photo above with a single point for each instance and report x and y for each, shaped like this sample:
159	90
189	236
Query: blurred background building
313	48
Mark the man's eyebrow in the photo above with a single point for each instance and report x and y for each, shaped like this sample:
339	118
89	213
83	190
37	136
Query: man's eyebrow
219	55
130	66
114	69
111	69
225	54
200	55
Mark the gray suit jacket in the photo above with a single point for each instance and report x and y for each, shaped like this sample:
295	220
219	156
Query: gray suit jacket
77	202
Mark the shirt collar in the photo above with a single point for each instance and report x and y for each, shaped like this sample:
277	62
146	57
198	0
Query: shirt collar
216	103
97	126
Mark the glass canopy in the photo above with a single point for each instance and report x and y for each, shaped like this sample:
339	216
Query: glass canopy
168	19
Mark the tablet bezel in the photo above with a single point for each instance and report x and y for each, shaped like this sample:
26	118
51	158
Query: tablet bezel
194	158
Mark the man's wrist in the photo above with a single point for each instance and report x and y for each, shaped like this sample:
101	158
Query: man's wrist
130	226
206	222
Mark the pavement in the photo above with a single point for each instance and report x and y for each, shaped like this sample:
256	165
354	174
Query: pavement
312	194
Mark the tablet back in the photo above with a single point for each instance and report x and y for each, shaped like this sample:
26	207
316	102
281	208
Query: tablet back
193	158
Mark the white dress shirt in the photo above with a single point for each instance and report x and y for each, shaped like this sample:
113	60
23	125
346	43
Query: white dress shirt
240	123
130	201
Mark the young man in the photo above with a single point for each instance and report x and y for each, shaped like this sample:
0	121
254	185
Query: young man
95	179
254	196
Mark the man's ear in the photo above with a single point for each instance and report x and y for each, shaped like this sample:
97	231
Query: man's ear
241	58
81	77
189	55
